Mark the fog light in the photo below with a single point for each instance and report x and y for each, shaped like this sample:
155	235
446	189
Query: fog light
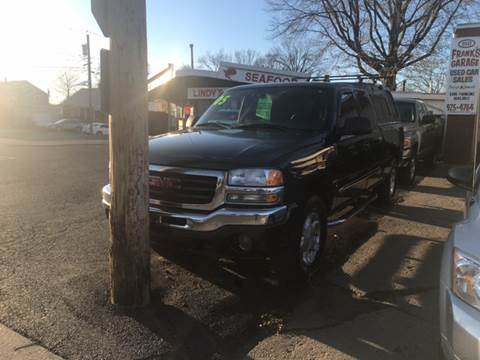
244	243
247	198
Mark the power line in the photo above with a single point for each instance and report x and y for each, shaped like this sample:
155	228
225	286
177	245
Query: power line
54	67
86	31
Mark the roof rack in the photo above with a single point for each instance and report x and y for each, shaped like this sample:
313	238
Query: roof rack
357	77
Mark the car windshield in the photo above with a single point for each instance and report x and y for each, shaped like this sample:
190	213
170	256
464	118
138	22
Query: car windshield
300	108
407	111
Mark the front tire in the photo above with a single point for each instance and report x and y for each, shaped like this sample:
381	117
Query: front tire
306	243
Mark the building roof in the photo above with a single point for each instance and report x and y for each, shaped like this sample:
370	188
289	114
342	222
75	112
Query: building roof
418	95
20	86
80	99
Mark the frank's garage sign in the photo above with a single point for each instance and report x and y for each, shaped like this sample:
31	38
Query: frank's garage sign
463	76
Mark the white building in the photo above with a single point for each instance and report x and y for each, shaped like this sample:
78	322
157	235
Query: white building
435	102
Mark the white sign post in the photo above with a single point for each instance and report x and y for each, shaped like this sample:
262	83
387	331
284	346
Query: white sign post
463	78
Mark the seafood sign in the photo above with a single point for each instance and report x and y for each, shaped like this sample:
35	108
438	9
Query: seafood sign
253	74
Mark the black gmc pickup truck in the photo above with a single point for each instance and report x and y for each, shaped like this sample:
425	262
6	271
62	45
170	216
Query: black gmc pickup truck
268	169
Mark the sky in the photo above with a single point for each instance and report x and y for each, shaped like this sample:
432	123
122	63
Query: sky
42	38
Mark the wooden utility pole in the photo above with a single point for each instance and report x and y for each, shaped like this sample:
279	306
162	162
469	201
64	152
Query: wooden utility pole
192	62
89	69
124	22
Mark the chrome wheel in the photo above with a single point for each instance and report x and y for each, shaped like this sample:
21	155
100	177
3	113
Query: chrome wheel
311	239
412	169
393	181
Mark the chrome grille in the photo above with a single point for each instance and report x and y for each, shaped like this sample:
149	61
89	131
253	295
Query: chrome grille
180	188
186	188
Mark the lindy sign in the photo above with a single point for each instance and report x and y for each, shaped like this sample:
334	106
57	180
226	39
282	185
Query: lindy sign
205	93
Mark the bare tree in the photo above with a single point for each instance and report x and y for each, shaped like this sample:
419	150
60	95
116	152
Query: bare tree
211	61
297	55
383	36
429	75
66	83
248	57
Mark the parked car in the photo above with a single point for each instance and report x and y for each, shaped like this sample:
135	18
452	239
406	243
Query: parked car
86	128
268	168
460	276
422	137
96	128
100	129
66	124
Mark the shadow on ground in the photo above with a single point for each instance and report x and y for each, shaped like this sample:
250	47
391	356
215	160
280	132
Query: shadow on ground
386	309
374	297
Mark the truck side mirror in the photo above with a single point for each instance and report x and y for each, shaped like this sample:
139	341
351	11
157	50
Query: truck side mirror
355	126
461	176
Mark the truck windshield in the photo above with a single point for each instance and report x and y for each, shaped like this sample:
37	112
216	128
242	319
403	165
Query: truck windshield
299	108
407	111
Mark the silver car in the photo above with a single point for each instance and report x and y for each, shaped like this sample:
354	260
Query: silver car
460	276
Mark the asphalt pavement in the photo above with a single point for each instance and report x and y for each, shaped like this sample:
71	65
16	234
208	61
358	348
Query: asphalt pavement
374	298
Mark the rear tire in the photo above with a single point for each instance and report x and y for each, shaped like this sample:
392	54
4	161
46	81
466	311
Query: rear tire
409	173
388	188
430	160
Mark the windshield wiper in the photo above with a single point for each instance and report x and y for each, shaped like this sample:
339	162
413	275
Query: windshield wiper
263	126
216	124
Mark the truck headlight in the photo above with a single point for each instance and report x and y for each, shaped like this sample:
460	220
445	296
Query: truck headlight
255	177
466	278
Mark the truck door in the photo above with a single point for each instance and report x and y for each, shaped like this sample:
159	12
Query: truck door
387	121
426	131
350	164
373	143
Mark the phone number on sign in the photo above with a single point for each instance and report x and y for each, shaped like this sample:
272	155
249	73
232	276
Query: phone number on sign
460	108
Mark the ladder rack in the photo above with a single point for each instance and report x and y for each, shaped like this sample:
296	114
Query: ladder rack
351	77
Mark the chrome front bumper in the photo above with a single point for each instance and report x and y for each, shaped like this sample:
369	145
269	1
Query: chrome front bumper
214	220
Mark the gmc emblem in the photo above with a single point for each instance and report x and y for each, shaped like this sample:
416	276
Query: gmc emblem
166	183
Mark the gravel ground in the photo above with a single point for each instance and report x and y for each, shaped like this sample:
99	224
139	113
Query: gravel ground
380	277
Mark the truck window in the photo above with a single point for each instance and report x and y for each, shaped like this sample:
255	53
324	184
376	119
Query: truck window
348	107
407	111
421	111
392	109
365	105
304	108
381	109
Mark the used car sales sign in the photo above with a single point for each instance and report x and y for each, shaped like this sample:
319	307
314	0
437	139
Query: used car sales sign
463	79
